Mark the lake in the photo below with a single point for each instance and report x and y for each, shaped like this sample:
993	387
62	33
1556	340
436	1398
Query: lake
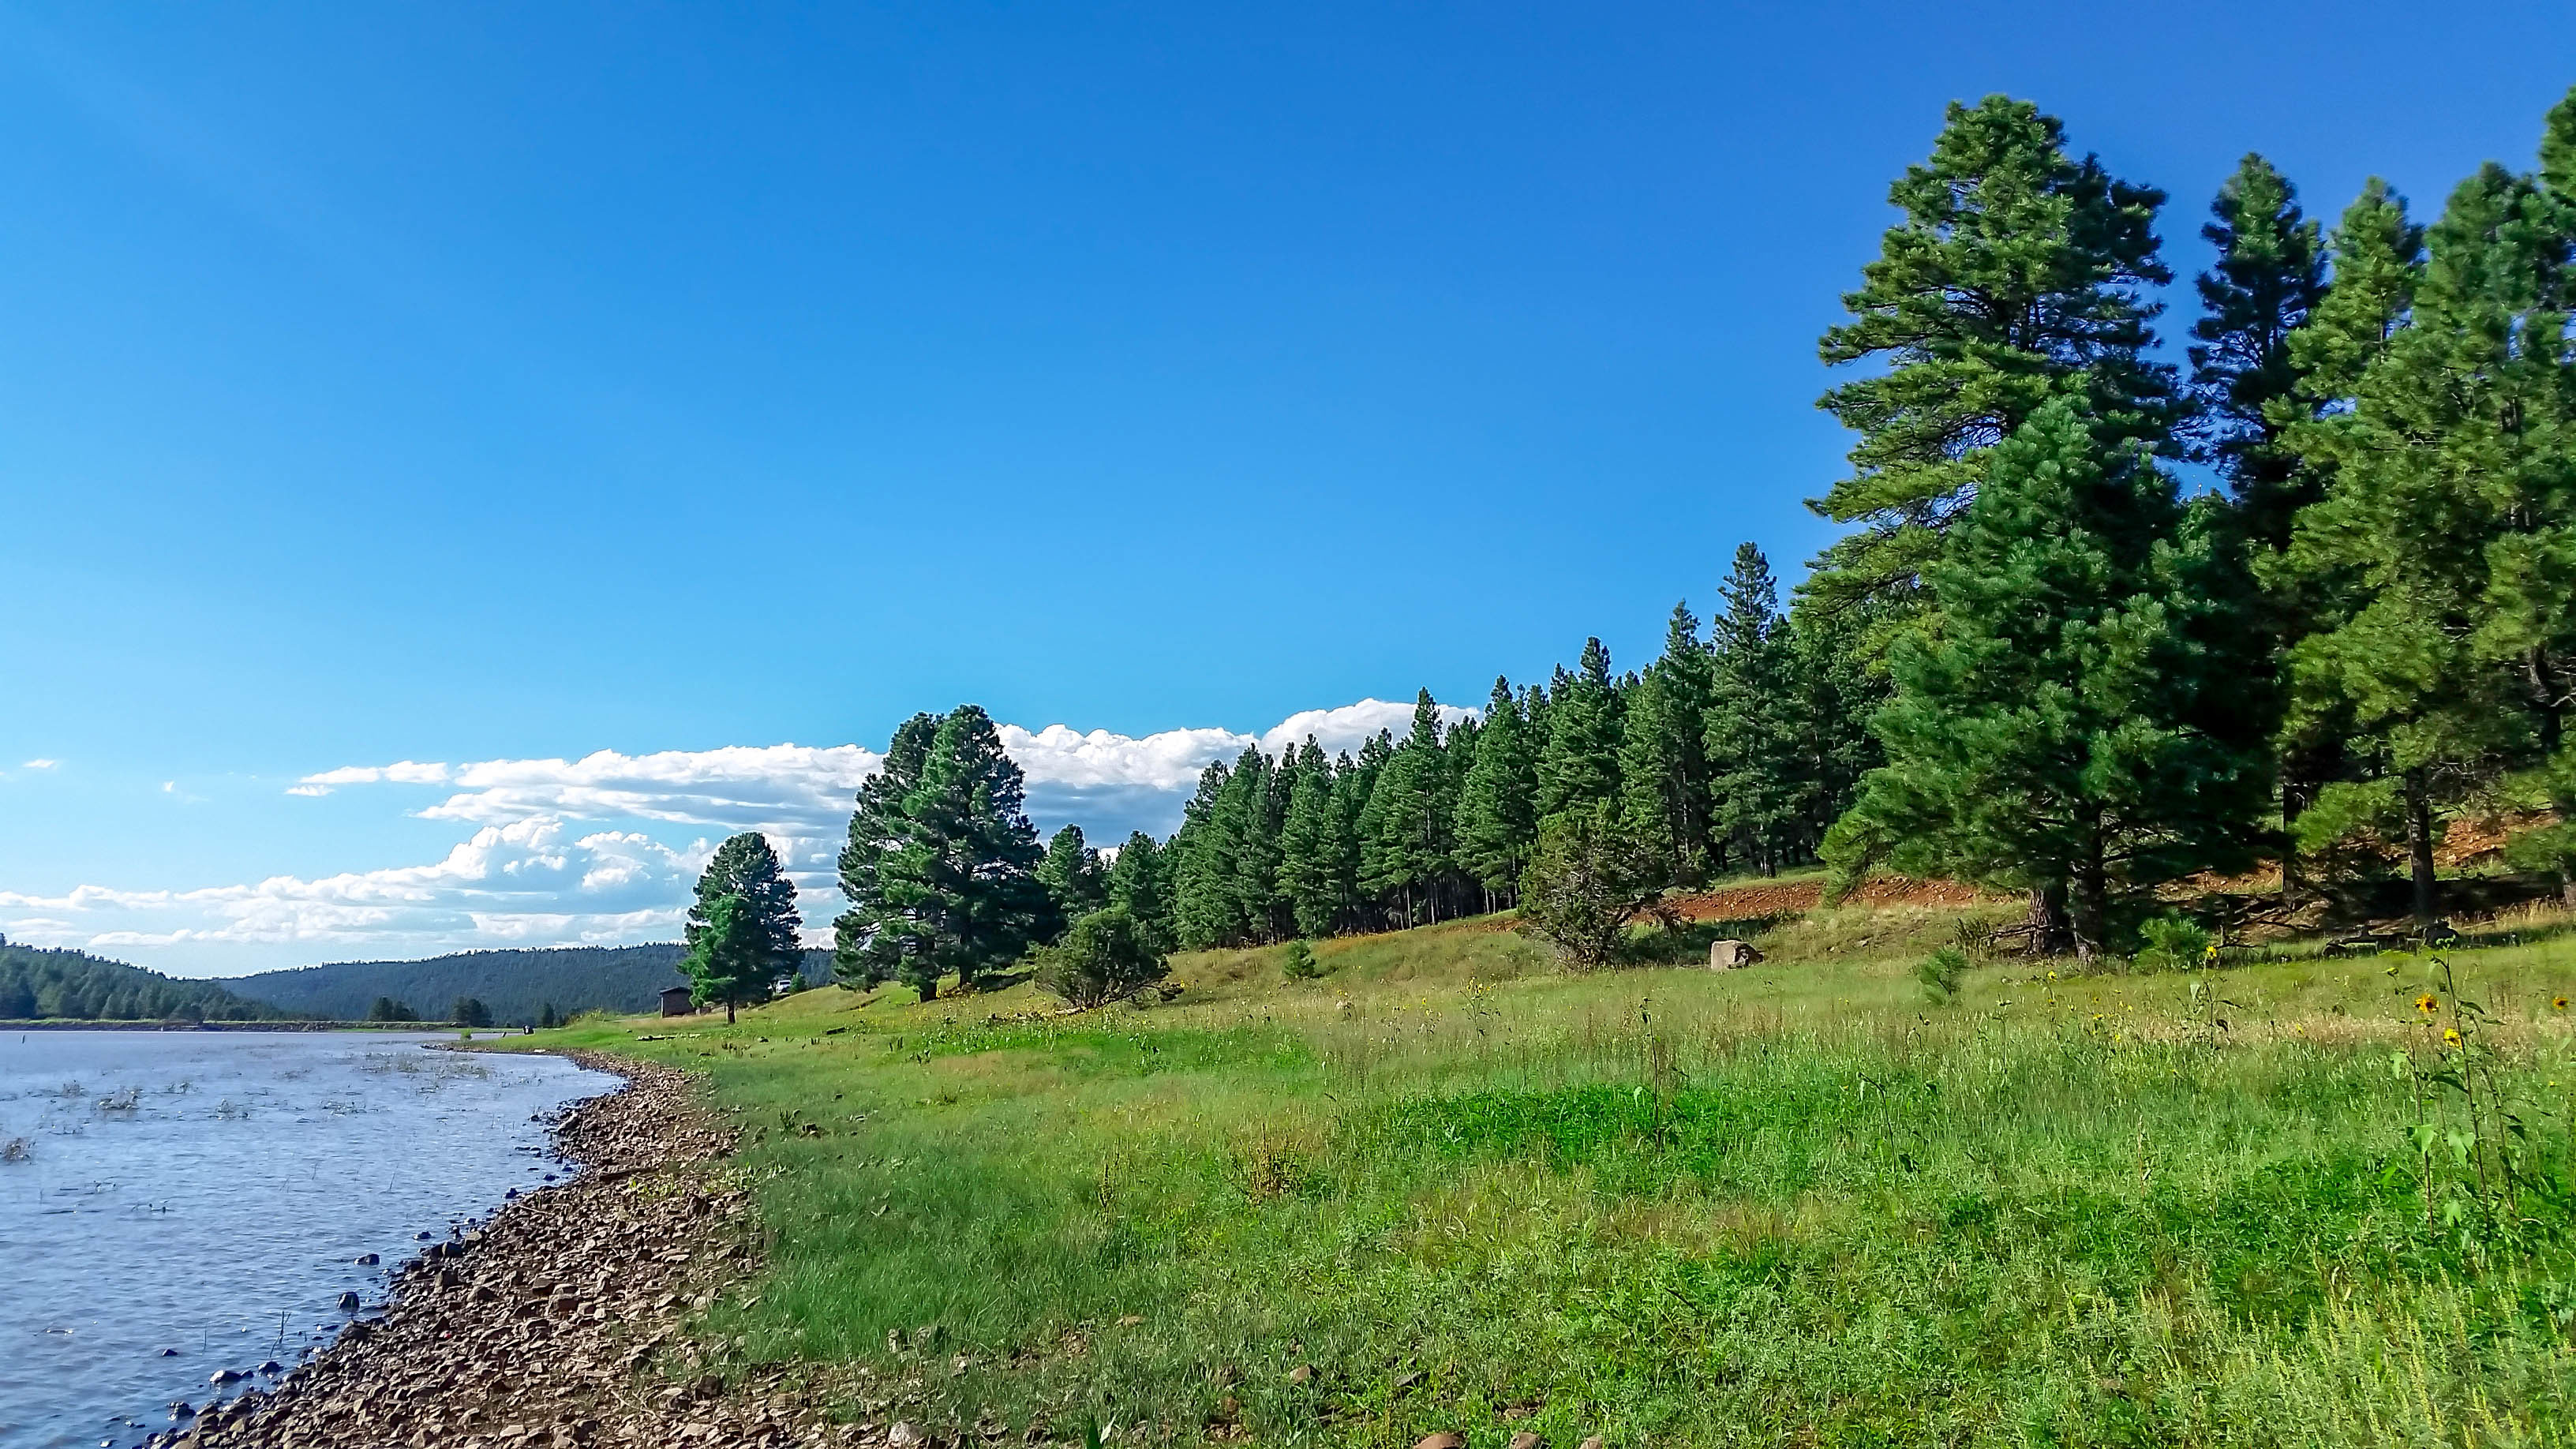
177	1204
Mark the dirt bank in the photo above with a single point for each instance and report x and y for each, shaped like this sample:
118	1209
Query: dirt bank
561	1320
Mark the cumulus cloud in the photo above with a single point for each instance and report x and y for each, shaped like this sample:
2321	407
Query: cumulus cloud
600	888
525	876
1351	726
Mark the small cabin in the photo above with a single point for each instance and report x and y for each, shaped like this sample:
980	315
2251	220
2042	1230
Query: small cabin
675	1001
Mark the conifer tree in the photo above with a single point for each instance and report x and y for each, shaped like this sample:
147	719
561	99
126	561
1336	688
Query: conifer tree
944	878
2378	258
1497	802
746	867
864	953
1835	694
1311	847
2018	275
1664	778
728	957
1752	740
2446	544
1136	883
1073	876
2069	730
1579	766
1404	830
1204	856
2270	275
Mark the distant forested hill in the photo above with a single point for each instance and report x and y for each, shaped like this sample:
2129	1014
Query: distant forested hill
37	984
517	985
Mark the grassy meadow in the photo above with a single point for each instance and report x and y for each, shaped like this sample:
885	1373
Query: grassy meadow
1448	1186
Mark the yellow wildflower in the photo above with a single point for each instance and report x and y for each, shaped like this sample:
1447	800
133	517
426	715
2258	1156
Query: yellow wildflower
2451	1034
2425	1003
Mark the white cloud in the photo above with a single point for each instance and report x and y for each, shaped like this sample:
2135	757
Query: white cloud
523	877
1351	726
40	764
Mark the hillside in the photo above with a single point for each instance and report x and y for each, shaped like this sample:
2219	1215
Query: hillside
1450	1185
516	984
39	984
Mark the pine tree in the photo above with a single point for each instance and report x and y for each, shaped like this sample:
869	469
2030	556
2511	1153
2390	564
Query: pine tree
1579	766
1136	882
2269	277
1202	861
1835	695
2069	729
1752	742
1498	800
2018	275
943	879
1311	847
1073	876
2446	544
1105	956
864	951
729	958
746	867
1404	830
1664	781
1257	806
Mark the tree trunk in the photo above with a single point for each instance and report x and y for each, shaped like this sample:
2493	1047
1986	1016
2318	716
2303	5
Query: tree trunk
2092	903
2419	844
2050	932
728	1011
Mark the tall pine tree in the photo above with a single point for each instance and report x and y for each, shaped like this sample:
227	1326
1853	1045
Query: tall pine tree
943	880
2018	275
2269	276
1752	739
1498	800
2446	544
2069	731
746	868
1579	765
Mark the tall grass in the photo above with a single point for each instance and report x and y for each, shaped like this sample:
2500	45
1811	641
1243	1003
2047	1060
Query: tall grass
1792	1204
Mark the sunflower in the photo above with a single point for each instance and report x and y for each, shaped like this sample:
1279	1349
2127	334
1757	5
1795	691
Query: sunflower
2451	1034
2558	1003
2425	1003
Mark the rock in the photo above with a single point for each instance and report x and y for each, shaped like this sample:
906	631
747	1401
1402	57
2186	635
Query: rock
1526	1440
1445	1439
1731	955
223	1376
368	1260
348	1302
1592	1443
169	1353
901	1435
1303	1373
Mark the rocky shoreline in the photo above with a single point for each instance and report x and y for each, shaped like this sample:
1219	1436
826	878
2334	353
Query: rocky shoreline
561	1321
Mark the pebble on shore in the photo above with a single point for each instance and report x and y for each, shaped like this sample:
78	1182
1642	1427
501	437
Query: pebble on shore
561	1321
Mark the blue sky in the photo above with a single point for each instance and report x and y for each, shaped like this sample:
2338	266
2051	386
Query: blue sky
463	384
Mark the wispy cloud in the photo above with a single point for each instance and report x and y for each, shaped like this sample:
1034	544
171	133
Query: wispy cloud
40	764
526	876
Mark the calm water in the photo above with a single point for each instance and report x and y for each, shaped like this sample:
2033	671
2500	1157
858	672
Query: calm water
209	1193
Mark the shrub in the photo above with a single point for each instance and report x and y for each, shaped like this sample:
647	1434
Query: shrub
1300	964
1584	884
1941	971
2174	942
1105	956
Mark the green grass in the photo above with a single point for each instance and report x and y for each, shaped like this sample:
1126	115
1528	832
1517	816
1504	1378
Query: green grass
1792	1204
